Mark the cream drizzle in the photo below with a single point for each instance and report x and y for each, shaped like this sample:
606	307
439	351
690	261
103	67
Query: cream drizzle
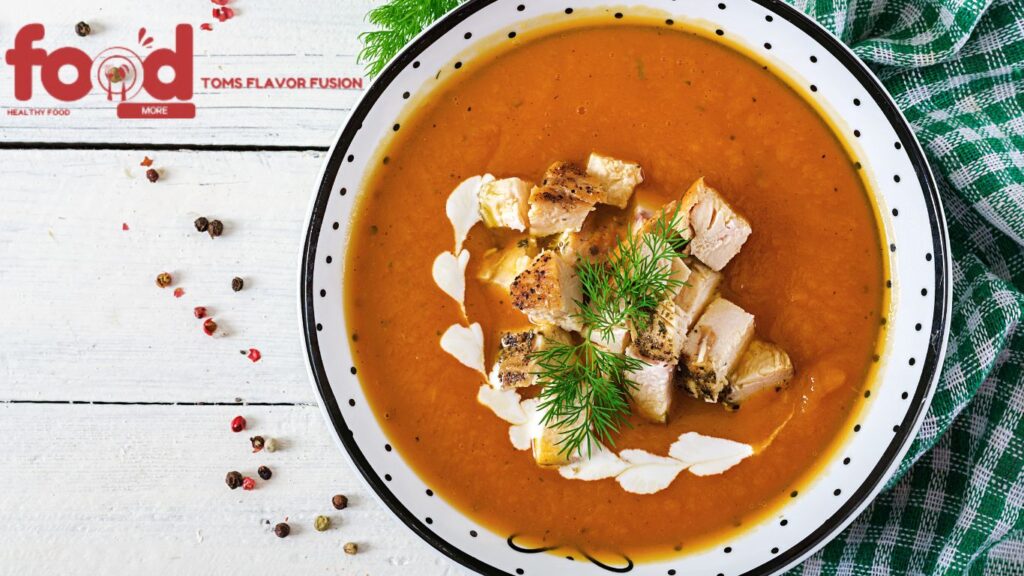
463	207
466	345
449	273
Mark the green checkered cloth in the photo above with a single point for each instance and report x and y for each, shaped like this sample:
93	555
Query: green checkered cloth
956	69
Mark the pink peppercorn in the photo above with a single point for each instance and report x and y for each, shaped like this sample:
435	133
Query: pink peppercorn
238	424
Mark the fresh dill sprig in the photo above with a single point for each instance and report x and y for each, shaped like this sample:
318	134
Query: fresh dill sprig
398	22
584	388
584	393
634	279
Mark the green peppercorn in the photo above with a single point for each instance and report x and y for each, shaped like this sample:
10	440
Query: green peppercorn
351	548
321	523
270	445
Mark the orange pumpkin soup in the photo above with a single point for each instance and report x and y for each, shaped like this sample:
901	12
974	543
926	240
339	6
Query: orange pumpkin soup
682	106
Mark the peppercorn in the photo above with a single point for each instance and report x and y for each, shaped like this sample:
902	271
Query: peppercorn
163	279
257	443
351	548
248	483
233	479
202	224
237	284
199	311
321	523
83	29
152	175
209	326
340	501
216	228
264	472
270	445
282	530
238	424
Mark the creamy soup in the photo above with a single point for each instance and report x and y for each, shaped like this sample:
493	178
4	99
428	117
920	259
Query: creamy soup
682	106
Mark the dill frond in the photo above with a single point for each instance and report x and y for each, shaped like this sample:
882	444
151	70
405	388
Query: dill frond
397	22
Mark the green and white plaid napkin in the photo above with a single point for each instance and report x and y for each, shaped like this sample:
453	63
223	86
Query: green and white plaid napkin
956	69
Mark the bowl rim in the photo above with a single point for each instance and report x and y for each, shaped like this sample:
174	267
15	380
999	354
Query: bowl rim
924	389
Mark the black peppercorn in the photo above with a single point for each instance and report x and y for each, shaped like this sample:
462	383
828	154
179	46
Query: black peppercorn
83	29
202	224
233	479
237	284
282	530
264	472
257	443
340	501
152	175
216	228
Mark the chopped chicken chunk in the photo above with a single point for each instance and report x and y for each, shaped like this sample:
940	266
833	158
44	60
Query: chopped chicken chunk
548	292
618	177
616	343
563	200
547	451
714	346
503	203
652	396
762	366
501	266
701	284
514	367
718	231
662	337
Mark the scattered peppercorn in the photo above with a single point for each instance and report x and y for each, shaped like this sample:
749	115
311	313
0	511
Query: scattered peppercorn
202	224
238	424
257	443
83	29
152	175
351	548
248	483
216	228
209	326
233	479
282	530
179	292
254	355
237	284
321	523
163	279
340	501
264	472
199	311
271	445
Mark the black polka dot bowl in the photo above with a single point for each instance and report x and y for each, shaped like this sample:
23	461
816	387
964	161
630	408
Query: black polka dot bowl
914	328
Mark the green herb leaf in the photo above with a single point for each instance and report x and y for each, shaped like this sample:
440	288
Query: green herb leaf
398	22
584	389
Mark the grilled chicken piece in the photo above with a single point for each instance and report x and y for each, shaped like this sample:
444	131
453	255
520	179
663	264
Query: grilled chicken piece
563	200
762	366
501	266
514	367
714	346
617	343
504	203
662	337
702	283
548	292
652	396
718	231
618	177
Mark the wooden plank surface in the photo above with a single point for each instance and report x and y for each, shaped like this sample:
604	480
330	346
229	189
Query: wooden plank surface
82	316
140	490
285	38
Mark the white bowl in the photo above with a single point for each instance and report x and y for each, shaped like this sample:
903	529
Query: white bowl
918	260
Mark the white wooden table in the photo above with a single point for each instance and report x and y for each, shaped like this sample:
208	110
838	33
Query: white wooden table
114	406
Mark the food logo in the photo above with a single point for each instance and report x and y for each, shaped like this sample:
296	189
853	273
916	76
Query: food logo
164	74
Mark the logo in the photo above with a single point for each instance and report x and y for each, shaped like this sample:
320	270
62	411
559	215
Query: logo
163	75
